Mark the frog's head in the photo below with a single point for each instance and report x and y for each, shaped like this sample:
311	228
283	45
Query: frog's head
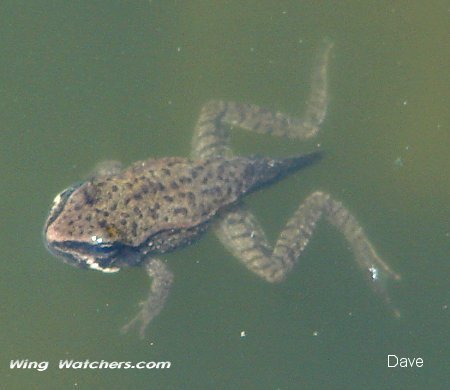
74	233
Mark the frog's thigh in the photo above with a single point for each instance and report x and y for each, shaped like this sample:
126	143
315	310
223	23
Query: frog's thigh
242	235
161	282
240	232
211	135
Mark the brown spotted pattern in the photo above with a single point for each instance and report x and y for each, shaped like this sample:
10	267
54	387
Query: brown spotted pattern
120	218
157	196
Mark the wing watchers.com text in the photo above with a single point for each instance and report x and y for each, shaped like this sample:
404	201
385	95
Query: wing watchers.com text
25	364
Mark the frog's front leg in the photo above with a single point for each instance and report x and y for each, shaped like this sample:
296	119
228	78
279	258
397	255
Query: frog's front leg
162	280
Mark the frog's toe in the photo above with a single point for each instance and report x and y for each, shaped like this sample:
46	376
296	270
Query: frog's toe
140	321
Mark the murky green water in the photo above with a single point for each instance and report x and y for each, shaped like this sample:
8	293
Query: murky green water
86	81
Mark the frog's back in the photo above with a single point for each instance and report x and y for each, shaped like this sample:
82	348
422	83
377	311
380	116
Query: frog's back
163	195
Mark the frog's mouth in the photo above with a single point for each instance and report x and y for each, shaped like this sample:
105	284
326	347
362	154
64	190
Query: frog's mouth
107	259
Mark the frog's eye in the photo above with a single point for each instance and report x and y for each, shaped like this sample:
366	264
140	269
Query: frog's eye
62	197
60	201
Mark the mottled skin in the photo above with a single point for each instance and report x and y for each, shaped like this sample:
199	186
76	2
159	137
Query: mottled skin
126	217
117	218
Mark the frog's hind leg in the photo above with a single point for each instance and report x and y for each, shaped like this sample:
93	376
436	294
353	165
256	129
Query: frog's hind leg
162	280
211	136
240	233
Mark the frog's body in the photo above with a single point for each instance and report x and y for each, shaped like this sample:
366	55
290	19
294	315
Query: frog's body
125	217
118	218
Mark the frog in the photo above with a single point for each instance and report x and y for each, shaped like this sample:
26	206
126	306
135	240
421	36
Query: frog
131	216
